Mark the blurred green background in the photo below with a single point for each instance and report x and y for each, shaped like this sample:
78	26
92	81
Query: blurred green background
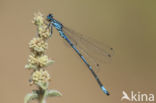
129	26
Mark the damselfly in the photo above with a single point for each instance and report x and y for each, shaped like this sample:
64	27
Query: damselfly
90	52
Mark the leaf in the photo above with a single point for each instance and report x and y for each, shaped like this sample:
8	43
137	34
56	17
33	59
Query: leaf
30	66
30	97
44	86
53	93
50	62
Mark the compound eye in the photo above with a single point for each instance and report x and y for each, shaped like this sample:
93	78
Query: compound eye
50	15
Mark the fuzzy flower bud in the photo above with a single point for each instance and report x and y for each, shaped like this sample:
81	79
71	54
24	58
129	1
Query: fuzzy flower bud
44	32
38	45
40	61
40	76
38	19
42	29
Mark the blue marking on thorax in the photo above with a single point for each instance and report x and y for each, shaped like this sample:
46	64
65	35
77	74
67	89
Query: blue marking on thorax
56	24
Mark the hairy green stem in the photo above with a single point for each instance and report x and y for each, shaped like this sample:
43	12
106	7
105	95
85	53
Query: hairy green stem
42	100
42	96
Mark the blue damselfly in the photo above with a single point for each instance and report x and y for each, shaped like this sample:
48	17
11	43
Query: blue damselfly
90	52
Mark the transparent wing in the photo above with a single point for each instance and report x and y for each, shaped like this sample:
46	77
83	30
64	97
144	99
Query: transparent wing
95	53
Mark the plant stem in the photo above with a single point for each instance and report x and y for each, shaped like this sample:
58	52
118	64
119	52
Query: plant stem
42	100
42	96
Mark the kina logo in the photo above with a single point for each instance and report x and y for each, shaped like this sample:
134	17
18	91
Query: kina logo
137	97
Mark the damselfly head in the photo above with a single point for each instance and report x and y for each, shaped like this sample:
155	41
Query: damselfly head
49	17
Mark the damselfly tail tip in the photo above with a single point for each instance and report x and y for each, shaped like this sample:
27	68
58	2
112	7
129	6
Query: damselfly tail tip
105	91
